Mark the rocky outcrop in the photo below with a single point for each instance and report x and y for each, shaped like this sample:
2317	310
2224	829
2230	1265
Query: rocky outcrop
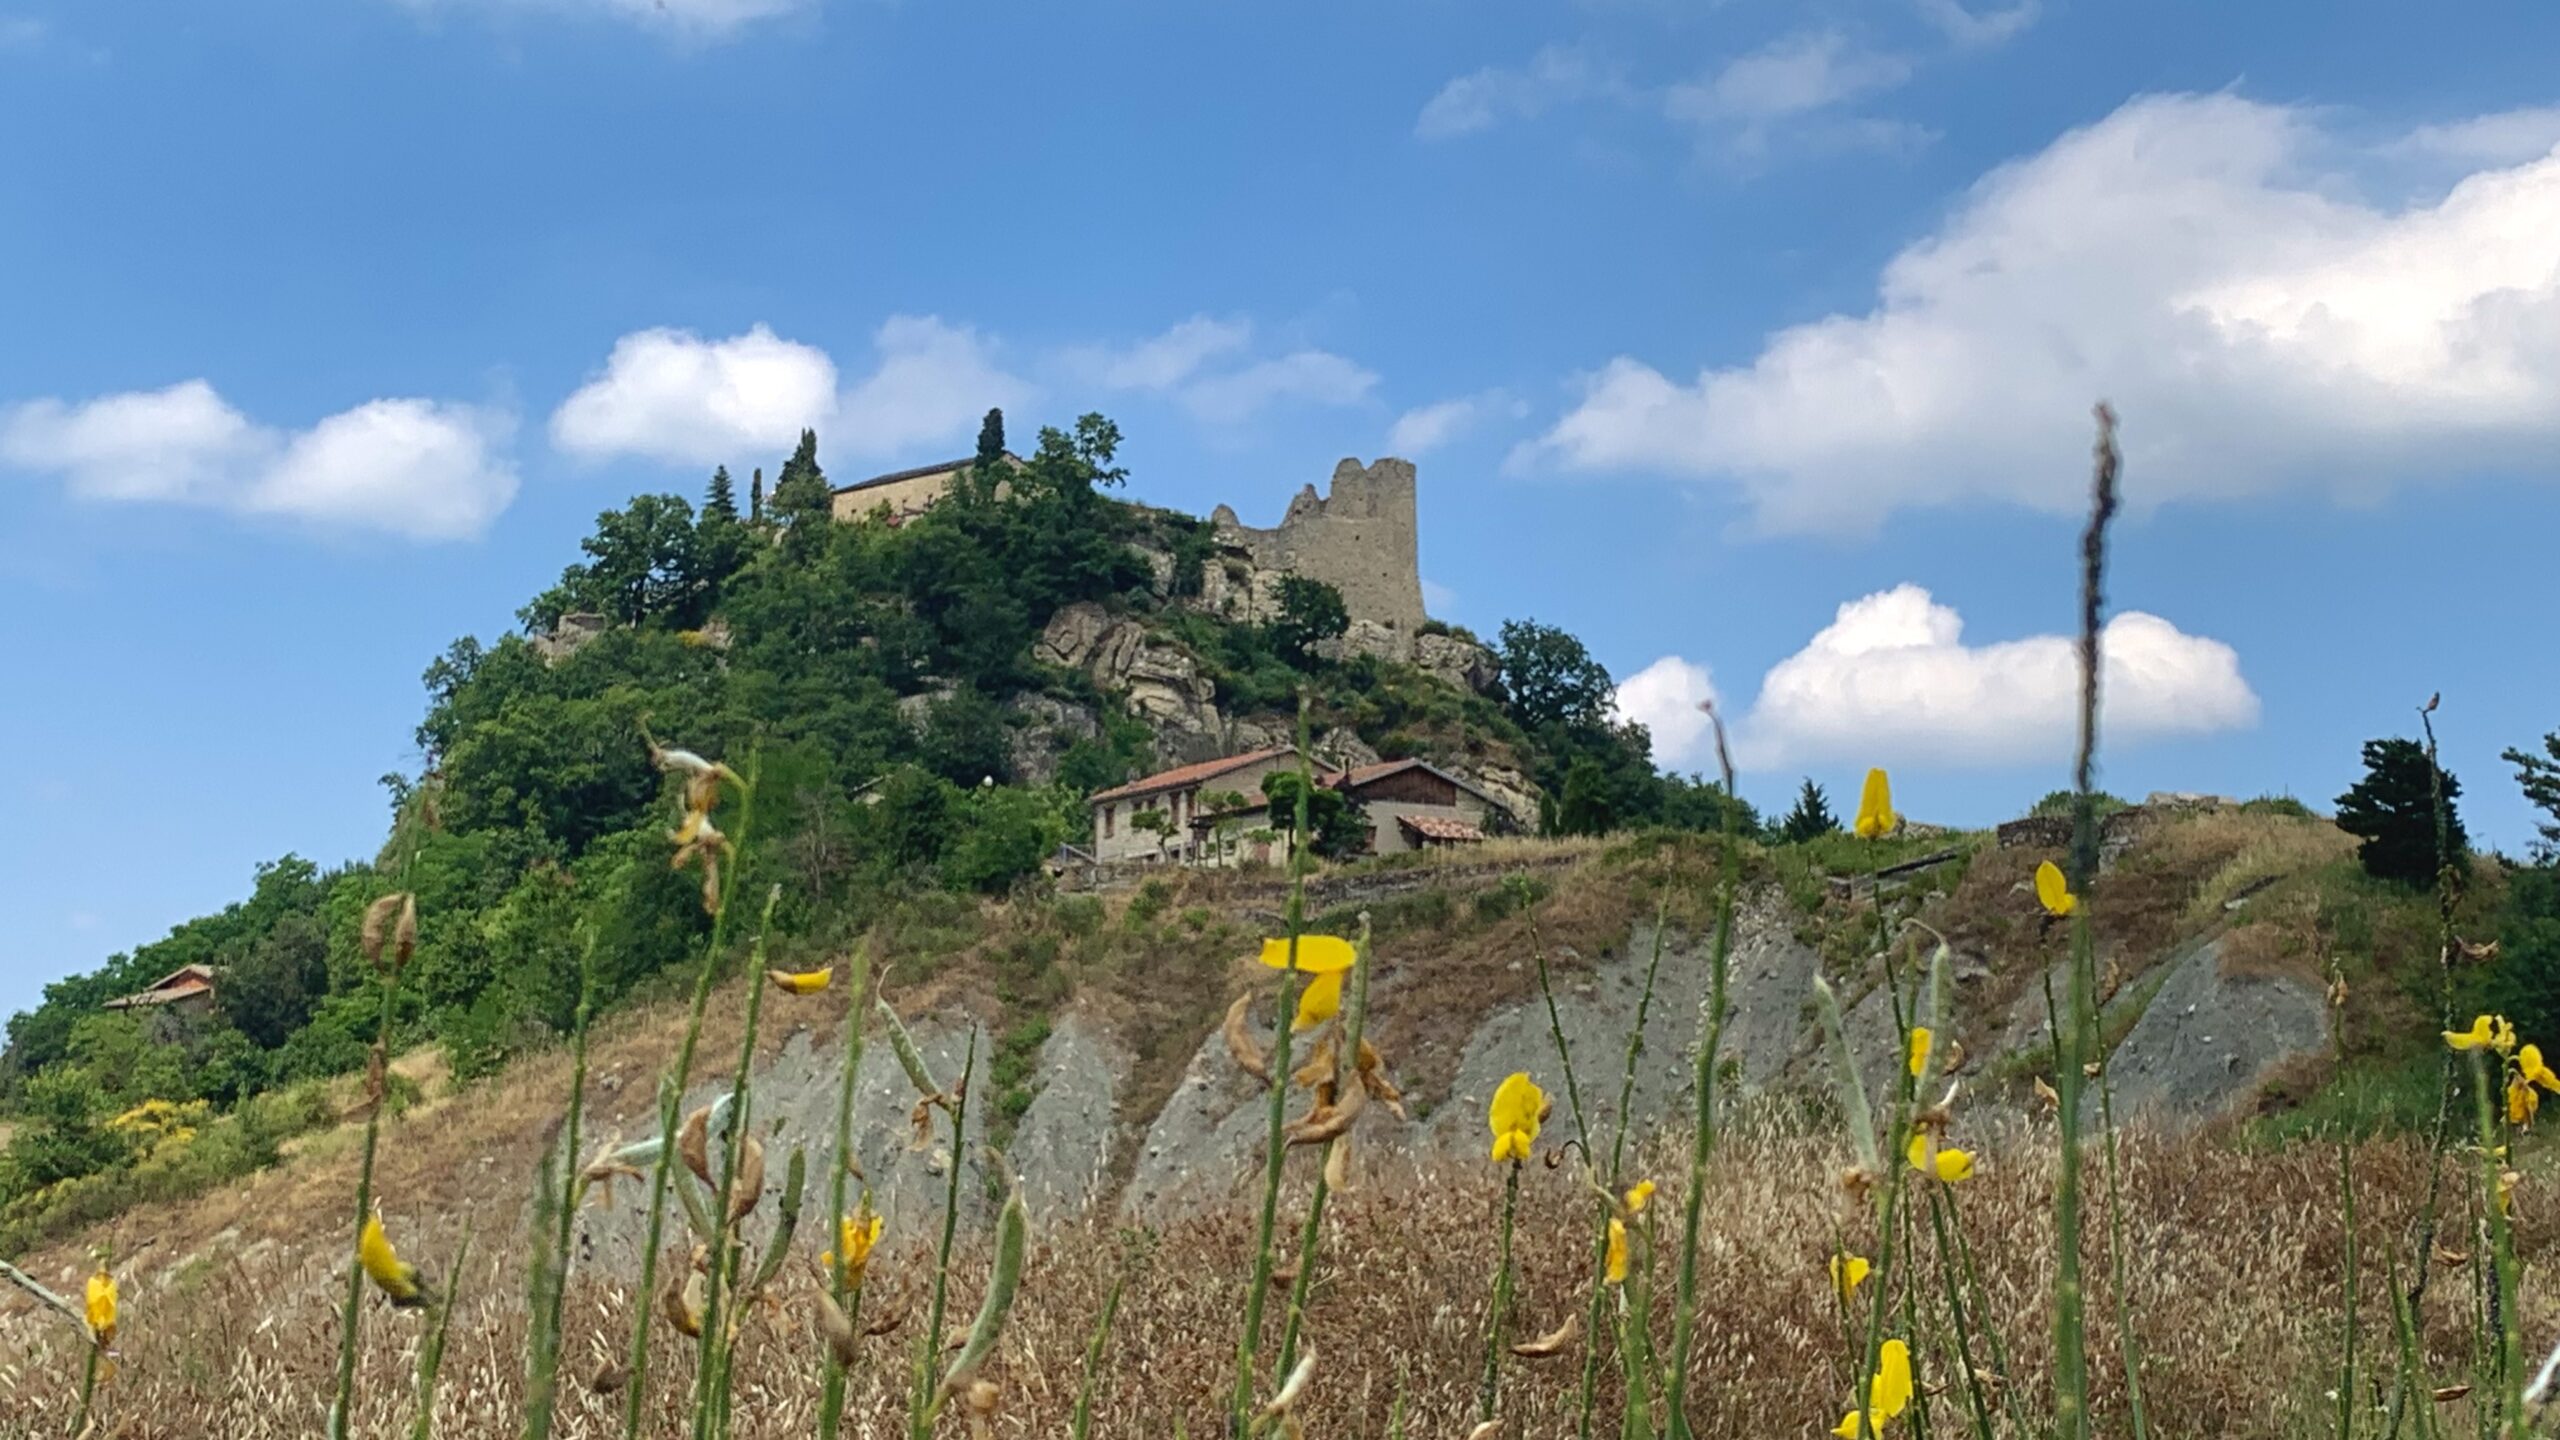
1460	662
568	635
2208	1039
1043	727
1163	684
1507	787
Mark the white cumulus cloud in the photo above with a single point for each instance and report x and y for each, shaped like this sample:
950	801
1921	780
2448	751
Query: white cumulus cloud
1205	365
2203	262
1161	362
1428	427
1664	698
1892	681
671	395
421	469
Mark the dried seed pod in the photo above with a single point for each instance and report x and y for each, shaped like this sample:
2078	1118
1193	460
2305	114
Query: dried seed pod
835	1328
2445	1395
378	918
681	1300
1294	1388
404	934
693	1143
1330	1119
1553	1343
608	1378
1318	1072
910	1059
1240	1047
2047	1097
746	1187
1337	1166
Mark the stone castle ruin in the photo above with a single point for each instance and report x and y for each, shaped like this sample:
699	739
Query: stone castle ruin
1361	539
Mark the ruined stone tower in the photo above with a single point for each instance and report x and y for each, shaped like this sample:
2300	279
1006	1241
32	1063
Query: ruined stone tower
1360	539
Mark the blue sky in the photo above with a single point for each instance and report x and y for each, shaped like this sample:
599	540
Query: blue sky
330	328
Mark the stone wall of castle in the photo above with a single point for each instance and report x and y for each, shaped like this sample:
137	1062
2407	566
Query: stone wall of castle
1360	538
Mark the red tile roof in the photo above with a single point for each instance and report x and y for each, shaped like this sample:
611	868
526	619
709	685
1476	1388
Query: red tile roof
1434	827
1182	776
182	983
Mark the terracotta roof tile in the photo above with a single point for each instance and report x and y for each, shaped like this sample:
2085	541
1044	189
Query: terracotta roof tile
1434	827
1184	775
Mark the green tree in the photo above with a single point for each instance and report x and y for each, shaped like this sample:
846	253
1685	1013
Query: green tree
1585	807
644	562
1548	678
2540	777
63	1136
801	501
755	497
2065	802
1008	833
269	991
991	441
1695	803
1310	611
1811	818
1158	823
1338	827
722	499
2392	809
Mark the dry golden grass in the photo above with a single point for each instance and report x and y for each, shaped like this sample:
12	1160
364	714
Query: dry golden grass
2235	1261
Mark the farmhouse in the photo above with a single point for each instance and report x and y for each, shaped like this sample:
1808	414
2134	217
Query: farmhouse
1199	814
187	988
1170	800
1414	805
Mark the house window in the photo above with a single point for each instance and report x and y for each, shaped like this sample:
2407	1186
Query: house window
1109	814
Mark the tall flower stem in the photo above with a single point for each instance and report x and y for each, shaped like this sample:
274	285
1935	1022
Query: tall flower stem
2422	1245
2509	1356
1355	1011
1489	1387
847	1294
2070	1334
551	1280
431	1352
377	1075
670	1104
1275	1145
1702	1135
1615	1177
921	1412
719	1336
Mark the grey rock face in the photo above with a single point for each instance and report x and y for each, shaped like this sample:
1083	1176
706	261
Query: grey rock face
2208	1038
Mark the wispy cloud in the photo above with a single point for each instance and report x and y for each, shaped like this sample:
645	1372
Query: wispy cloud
1558	75
21	32
1428	427
1204	364
1980	29
691	20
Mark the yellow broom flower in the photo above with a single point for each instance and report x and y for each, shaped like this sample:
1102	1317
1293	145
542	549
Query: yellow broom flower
1888	1394
1518	1106
1639	1196
2487	1032
1319	1002
2052	891
397	1278
1920	1041
1944	1161
2529	1065
102	1306
857	1239
1317	954
1875	808
1847	1273
2522	1101
801	982
1617	1272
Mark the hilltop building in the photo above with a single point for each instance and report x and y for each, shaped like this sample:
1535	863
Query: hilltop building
1409	805
905	494
187	989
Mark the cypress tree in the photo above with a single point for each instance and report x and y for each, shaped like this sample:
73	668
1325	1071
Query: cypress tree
755	496
723	499
991	440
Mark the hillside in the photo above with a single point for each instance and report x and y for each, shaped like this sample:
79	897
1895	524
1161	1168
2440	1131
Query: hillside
1111	1096
925	695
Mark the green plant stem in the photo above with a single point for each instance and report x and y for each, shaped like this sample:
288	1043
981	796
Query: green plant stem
542	1368
847	1295
2509	1354
1702	1137
1956	1318
2125	1342
431	1353
88	1389
1616	1175
2070	1335
1346	1071
377	1083
670	1105
1275	1148
920	1414
1981	1296
1082	1424
719	1339
1489	1387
